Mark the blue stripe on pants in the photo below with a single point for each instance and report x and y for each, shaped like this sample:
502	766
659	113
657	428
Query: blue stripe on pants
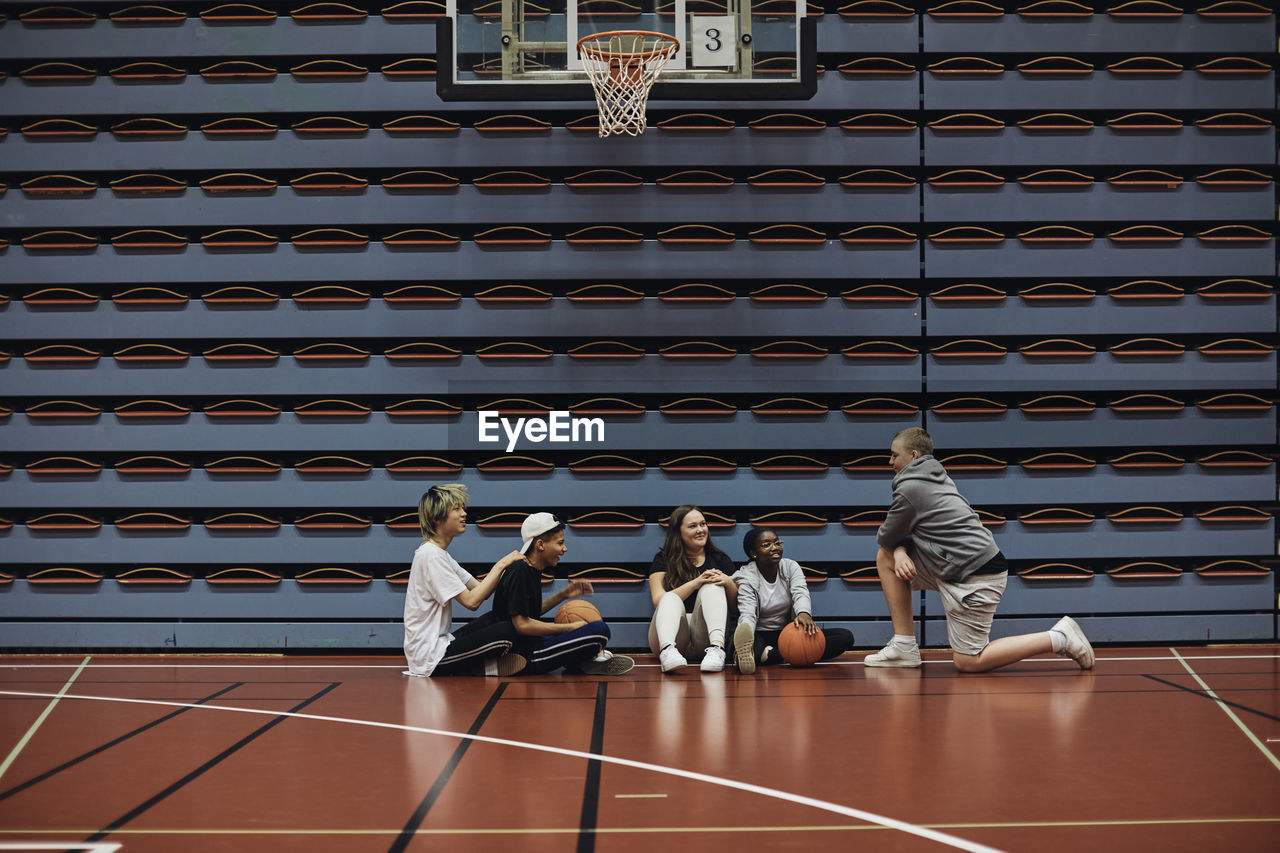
564	650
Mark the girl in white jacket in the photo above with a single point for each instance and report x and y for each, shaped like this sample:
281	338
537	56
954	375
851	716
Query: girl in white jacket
772	591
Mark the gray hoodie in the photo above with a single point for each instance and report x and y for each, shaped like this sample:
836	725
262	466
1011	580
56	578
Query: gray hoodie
948	538
748	580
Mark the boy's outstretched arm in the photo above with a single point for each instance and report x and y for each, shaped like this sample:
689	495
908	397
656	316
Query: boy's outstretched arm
575	589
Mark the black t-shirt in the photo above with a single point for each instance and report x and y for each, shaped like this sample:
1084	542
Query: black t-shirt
714	560
519	592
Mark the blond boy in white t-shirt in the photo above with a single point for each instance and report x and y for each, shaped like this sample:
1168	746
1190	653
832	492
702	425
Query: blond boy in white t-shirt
435	582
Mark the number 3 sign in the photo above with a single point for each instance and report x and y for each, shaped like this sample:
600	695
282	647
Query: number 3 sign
714	39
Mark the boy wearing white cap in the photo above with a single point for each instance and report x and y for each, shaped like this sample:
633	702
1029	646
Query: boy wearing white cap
576	646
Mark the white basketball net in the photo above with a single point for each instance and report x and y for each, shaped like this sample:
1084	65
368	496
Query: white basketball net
622	67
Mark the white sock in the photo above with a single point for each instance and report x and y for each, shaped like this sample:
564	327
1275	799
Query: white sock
1057	639
904	641
491	666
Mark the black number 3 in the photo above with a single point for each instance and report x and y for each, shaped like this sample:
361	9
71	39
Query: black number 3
713	39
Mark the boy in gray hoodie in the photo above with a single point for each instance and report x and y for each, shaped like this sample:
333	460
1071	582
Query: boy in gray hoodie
932	539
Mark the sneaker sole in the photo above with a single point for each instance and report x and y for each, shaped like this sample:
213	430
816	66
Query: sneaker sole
744	649
1070	624
616	665
892	664
510	664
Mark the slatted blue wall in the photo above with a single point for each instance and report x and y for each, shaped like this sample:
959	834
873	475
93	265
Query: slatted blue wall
1067	277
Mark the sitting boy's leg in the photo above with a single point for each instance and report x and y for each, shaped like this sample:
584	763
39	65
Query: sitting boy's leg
566	650
474	646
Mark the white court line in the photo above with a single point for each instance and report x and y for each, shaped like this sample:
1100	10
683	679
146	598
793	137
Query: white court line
732	784
1054	659
48	709
1227	709
86	847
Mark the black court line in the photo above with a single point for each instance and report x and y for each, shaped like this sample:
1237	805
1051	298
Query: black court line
114	742
591	790
1235	705
420	813
207	766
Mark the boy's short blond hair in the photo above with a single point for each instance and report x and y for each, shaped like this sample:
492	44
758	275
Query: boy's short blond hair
915	438
436	503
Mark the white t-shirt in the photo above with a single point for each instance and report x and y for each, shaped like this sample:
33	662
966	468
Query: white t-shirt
434	580
775	604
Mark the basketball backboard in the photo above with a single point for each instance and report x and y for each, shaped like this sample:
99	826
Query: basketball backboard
526	49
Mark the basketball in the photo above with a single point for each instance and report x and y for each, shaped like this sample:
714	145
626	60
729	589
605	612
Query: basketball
576	608
798	648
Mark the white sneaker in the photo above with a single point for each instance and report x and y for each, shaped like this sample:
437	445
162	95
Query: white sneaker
1077	647
713	659
670	658
744	648
894	655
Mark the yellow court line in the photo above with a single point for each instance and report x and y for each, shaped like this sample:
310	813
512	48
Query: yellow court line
44	715
1271	756
639	796
622	830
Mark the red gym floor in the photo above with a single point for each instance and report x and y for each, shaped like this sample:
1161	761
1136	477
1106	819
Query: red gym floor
1156	749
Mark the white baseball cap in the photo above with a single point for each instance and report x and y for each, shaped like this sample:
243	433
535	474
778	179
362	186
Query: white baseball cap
534	526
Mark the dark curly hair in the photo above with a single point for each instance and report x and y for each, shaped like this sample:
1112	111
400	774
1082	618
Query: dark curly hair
753	536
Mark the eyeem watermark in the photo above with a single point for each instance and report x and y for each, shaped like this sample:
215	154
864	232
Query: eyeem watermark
558	428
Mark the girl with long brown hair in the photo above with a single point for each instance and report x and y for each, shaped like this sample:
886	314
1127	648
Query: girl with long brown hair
691	584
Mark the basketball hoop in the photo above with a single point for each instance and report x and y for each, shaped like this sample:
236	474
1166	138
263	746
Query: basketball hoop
622	66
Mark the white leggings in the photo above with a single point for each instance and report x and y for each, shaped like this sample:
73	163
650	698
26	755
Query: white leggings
691	632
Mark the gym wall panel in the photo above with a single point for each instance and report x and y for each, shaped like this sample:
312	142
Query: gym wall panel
558	317
1104	316
468	262
834	295
1096	34
1101	91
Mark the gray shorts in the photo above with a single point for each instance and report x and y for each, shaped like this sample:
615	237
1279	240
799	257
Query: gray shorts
970	606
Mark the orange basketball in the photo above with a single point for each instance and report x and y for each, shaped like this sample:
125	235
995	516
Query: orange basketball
576	608
798	648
